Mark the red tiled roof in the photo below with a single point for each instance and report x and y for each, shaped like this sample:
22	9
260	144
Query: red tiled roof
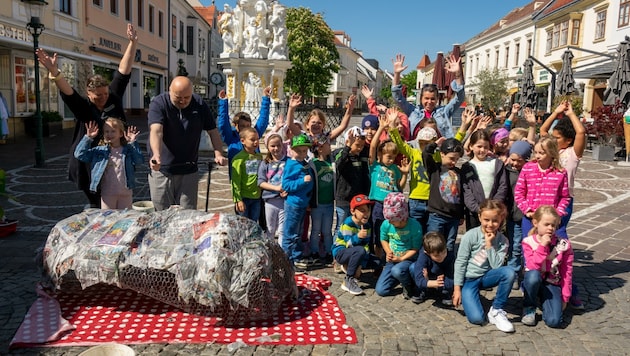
515	15
424	61
556	5
207	13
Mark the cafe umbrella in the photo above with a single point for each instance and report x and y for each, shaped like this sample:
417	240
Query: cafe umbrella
529	96
619	82
565	84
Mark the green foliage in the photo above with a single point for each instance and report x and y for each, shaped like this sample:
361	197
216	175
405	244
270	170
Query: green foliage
386	92
51	116
576	103
410	80
492	84
312	53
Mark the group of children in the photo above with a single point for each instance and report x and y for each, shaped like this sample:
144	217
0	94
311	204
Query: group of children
514	194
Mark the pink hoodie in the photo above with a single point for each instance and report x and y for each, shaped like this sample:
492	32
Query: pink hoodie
536	187
555	262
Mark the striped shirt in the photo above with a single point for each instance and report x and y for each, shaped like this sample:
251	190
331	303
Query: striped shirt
536	187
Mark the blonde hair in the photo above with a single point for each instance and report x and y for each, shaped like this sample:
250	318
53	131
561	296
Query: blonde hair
118	124
315	113
542	211
273	136
517	133
387	148
550	146
492	204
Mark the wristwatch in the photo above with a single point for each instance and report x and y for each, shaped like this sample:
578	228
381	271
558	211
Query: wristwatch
54	77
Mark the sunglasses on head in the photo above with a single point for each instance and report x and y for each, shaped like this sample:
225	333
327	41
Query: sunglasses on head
430	86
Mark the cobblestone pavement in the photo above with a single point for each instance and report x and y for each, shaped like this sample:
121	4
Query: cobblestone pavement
385	326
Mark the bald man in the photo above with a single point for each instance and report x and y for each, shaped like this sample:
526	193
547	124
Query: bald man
176	119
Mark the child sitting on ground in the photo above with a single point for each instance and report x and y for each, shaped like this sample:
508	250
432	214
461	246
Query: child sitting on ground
351	247
434	269
479	265
401	239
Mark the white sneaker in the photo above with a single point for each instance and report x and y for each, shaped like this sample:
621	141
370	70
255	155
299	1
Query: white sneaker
498	317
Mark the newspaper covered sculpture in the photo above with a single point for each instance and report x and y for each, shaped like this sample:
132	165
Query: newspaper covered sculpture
212	264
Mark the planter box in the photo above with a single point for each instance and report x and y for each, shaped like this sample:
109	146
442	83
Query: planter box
603	152
48	128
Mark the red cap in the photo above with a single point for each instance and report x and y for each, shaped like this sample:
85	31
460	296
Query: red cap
358	200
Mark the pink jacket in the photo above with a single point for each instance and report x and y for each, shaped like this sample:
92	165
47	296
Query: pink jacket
535	188
555	262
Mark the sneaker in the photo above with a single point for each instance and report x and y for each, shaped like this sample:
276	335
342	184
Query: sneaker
297	269
446	299
302	263
418	297
407	292
351	286
576	303
529	316
498	317
337	268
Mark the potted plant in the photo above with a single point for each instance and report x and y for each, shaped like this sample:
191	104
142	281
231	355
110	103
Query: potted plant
51	124
607	126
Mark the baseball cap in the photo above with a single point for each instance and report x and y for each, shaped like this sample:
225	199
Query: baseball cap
426	134
300	140
521	148
395	207
354	131
358	200
370	121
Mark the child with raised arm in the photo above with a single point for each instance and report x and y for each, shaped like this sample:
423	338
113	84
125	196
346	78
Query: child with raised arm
479	265
245	190
401	239
433	270
385	176
113	162
351	248
270	183
483	177
548	269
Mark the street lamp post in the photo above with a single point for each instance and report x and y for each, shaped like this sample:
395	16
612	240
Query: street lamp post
181	70
35	27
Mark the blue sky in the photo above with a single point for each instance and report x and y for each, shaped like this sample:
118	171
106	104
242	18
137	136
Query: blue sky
380	29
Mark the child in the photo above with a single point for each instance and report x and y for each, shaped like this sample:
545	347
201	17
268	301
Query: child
446	199
297	181
322	205
353	172
499	141
270	182
479	265
434	269
401	239
542	181
113	162
245	190
519	155
230	133
548	269
483	177
385	177
351	245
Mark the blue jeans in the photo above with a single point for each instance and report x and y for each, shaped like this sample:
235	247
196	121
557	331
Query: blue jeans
446	226
292	235
377	221
502	277
394	273
418	211
342	213
321	227
352	257
549	294
515	250
252	209
564	222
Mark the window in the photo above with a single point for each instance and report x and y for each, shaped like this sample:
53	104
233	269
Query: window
507	56
517	53
600	25
113	7
151	19
181	34
190	40
624	13
496	58
575	32
98	3
173	31
140	13
529	47
128	10
65	6
549	43
160	24
564	33
488	60
556	36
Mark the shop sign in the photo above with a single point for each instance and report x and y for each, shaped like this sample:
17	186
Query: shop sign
153	58
14	33
103	42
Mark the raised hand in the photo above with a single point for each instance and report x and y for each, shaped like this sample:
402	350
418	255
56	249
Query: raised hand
484	122
50	63
295	100
392	115
222	94
132	34
561	107
132	134
405	165
530	116
366	91
515	108
453	64
92	129
352	101
399	63
467	116
569	108
267	91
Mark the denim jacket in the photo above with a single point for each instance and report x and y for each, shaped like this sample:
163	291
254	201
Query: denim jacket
441	114
99	156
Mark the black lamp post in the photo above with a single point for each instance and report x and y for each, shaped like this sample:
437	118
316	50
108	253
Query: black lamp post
181	70
35	27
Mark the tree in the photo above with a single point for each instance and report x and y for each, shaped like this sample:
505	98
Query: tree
312	53
492	84
410	80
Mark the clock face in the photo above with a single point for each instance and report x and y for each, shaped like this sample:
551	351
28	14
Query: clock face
216	78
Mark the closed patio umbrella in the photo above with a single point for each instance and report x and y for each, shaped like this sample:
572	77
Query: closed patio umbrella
619	81
450	76
439	75
565	84
529	96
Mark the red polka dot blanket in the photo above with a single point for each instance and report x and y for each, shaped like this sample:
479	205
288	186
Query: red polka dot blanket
104	314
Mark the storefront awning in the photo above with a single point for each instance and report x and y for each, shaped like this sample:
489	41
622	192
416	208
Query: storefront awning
602	71
512	91
28	46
